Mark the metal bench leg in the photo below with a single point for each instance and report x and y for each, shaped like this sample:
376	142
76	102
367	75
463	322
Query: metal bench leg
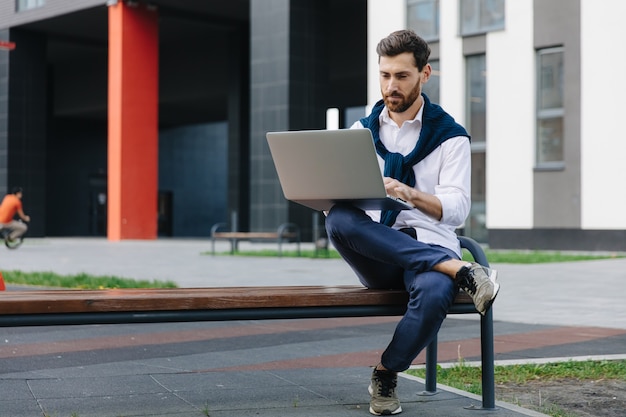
488	358
486	333
431	369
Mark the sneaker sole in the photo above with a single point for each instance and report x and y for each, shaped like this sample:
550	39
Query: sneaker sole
386	412
493	277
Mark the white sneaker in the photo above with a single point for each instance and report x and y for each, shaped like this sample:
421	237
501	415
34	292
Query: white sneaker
480	283
384	401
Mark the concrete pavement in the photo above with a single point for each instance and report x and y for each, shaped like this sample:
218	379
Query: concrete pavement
276	368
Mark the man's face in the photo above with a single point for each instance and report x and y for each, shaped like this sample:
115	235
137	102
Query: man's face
400	81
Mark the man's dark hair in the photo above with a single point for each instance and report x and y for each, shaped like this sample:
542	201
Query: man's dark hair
16	190
402	41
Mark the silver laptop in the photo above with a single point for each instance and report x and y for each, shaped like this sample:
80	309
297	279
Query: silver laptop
319	168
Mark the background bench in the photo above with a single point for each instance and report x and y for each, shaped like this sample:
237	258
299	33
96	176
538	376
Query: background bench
286	232
70	307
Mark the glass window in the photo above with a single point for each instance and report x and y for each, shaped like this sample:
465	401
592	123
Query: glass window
481	16
476	223
550	109
353	114
476	97
423	18
431	88
476	125
22	5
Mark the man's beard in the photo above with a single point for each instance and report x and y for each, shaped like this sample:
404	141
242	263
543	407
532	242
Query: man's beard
405	102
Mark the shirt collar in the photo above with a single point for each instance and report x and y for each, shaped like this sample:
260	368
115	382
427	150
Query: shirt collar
386	119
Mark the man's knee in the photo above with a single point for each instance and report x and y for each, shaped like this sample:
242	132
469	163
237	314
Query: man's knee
431	289
338	217
18	227
338	211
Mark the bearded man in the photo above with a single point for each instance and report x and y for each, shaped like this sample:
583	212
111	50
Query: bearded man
425	159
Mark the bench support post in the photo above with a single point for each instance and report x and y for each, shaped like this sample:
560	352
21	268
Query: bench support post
431	368
487	357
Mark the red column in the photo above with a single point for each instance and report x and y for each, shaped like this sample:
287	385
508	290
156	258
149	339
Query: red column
132	122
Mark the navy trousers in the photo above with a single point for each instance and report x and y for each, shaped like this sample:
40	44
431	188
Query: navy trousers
383	257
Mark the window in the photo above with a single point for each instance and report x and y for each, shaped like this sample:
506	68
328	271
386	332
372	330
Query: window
481	16
476	96
423	18
550	110
431	88
476	125
22	5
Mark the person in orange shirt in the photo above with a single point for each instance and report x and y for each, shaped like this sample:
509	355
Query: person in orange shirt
12	204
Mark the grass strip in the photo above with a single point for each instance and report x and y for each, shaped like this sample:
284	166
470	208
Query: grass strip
80	281
468	378
538	257
494	256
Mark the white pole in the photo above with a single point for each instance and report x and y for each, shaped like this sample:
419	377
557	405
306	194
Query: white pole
332	119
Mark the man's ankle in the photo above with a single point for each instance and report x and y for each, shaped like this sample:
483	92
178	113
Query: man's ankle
381	367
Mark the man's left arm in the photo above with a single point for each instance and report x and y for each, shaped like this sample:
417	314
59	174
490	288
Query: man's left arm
424	202
454	187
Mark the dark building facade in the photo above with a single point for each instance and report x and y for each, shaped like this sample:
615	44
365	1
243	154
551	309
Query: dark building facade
227	73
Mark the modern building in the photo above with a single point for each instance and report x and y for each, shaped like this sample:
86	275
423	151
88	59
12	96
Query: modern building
537	83
139	118
136	119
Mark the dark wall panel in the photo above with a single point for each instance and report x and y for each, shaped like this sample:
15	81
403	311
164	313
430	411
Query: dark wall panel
77	163
192	163
27	124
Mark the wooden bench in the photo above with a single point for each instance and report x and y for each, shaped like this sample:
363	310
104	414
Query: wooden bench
285	232
72	307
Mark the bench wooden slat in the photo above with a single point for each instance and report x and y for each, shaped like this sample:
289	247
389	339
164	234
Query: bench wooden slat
136	300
